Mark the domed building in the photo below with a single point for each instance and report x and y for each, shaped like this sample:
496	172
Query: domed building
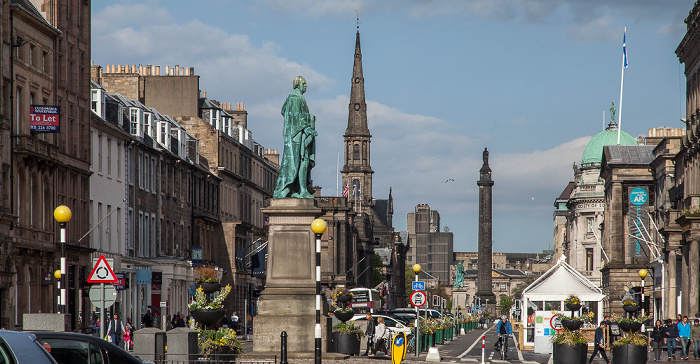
582	244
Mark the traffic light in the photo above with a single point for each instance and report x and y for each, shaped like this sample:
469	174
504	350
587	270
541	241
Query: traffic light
436	300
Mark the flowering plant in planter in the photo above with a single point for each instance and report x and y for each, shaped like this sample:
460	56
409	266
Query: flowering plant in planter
630	302
206	274
634	338
200	299
348	328
569	337
211	341
572	300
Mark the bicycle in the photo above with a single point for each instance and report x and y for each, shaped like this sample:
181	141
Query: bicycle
503	345
411	345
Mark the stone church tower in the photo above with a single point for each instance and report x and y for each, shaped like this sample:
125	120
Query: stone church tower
357	173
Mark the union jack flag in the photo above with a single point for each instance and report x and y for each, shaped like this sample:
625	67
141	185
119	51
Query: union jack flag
346	189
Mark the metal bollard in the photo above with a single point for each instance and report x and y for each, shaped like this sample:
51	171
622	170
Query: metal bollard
283	353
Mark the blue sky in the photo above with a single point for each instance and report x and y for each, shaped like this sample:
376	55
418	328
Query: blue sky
528	79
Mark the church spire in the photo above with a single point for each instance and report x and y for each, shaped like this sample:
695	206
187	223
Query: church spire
357	117
357	172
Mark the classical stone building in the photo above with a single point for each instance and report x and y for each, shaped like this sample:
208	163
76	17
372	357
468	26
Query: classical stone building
629	193
45	62
586	205
665	234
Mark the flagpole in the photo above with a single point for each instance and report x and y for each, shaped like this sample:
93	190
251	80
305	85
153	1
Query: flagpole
622	82
337	173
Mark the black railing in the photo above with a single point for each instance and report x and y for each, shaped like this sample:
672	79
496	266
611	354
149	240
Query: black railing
215	358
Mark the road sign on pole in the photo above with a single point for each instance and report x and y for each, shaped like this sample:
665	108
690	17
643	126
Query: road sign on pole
418	298
102	272
418	285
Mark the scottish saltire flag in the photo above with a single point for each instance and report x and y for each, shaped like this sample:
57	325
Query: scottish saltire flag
624	49
346	189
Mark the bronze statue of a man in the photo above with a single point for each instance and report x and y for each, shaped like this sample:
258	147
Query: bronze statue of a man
298	156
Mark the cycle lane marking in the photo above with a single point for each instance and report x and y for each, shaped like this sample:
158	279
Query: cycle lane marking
478	339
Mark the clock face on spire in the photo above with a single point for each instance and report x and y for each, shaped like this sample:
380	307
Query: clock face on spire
357	80
357	106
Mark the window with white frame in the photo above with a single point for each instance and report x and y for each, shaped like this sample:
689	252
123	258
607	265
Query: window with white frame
146	235
215	118
227	125
163	133
148	123
109	157
140	243
135	121
146	173
153	236
153	174
140	168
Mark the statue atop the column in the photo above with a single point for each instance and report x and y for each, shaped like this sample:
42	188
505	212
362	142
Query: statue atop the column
459	277
298	156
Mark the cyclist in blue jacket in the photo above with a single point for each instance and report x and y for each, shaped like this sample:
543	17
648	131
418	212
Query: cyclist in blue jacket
504	330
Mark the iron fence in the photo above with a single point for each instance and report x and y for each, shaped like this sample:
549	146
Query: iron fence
215	359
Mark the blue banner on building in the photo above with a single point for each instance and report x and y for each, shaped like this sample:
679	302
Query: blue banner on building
143	276
258	260
638	218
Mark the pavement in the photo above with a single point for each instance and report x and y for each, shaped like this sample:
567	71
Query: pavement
466	349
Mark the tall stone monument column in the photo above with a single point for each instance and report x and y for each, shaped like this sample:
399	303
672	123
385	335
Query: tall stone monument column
484	287
288	302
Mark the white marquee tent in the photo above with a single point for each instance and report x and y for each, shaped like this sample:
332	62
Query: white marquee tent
557	284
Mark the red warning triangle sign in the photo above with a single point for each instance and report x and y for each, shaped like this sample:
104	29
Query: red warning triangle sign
102	272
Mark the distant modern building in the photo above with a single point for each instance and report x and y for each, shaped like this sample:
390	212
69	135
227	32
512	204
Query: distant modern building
428	246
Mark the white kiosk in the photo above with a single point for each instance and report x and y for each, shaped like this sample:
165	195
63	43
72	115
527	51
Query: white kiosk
555	285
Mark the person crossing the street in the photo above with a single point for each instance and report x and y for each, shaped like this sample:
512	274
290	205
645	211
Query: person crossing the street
599	343
115	330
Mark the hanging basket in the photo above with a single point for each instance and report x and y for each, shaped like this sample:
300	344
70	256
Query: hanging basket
630	308
343	315
573	306
572	324
208	317
344	297
209	287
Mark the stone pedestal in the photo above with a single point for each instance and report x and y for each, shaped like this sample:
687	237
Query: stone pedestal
288	302
182	344
149	344
46	322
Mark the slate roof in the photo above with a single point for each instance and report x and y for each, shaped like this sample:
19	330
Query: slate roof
629	154
566	194
29	7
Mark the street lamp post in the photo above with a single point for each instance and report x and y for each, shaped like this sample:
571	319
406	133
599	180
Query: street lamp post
416	269
642	274
62	214
318	226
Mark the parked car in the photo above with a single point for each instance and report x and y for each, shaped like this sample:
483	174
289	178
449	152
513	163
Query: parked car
392	324
74	348
22	348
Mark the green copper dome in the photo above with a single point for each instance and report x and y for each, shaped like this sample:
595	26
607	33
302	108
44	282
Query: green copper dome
593	154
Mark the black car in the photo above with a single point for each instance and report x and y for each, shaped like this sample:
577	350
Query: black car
74	348
22	348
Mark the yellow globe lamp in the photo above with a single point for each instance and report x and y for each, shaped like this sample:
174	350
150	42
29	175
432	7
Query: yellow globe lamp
62	214
57	274
643	273
416	268
318	226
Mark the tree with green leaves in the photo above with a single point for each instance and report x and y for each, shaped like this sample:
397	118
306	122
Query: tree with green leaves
505	305
378	265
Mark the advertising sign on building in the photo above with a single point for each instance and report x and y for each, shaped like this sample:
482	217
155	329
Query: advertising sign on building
638	218
44	119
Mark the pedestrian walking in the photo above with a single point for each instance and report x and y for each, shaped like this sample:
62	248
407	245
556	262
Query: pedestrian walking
116	329
599	343
670	338
369	332
657	338
695	338
683	336
380	335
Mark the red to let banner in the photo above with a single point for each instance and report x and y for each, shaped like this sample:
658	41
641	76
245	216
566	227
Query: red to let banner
44	118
